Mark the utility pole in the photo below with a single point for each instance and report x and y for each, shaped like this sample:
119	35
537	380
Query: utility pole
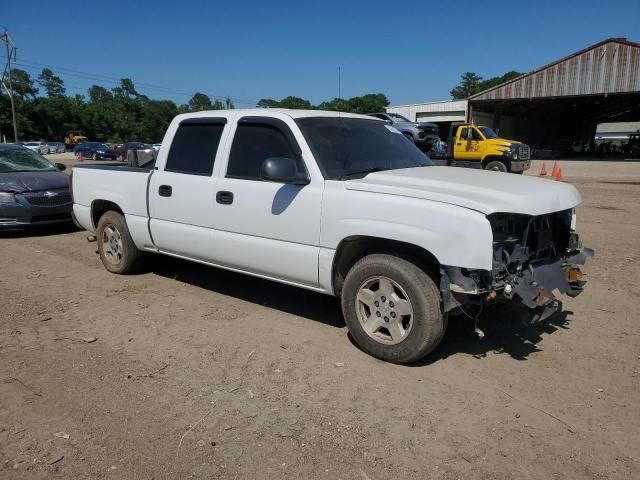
10	49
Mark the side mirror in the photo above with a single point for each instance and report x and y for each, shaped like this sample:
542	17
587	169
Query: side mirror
60	166
282	170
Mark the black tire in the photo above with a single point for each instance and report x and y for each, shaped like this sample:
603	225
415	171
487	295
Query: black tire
497	165
129	259
427	327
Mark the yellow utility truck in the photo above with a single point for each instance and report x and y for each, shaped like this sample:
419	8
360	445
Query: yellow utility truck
73	138
476	146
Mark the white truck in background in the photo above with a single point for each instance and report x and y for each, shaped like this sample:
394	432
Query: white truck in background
340	204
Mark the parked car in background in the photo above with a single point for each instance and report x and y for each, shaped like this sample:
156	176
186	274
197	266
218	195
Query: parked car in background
121	153
423	134
40	147
94	151
56	147
33	191
156	146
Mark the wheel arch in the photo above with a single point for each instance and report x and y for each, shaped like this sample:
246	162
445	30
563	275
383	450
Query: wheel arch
100	207
352	249
500	158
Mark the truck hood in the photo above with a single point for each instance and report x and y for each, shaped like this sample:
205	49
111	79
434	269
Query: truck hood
480	190
20	182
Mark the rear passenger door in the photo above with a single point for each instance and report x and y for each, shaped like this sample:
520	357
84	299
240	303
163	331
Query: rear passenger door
266	227
182	191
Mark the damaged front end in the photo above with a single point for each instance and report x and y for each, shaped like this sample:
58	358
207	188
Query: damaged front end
533	256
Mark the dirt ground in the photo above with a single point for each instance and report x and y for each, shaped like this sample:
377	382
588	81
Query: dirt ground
193	372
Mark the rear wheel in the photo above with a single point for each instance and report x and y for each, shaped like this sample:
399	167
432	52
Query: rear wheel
117	251
392	309
496	166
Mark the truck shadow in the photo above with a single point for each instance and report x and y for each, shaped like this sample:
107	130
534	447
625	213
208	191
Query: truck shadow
293	300
505	334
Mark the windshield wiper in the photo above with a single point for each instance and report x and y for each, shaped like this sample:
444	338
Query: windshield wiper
363	172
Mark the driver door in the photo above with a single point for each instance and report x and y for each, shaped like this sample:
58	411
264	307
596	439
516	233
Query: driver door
265	227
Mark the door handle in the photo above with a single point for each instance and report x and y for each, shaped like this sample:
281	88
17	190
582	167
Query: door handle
225	198
165	190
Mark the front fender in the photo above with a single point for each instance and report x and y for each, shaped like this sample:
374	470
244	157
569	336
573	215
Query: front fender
454	235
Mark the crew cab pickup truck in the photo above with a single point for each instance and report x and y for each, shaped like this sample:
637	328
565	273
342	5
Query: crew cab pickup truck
344	205
480	147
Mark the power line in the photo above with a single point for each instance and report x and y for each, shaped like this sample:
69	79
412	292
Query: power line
108	79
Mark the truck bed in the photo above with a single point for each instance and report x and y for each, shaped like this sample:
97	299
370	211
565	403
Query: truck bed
122	185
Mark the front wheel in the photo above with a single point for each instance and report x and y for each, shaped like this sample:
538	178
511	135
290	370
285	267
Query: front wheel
392	309
117	251
496	166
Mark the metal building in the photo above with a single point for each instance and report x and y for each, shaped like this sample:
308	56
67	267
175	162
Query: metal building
560	104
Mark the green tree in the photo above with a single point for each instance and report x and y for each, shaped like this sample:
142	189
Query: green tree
228	104
370	103
295	103
335	105
495	81
52	84
23	84
472	83
218	105
469	85
199	102
268	103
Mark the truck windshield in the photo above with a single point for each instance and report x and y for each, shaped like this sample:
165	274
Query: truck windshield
488	133
399	117
353	147
23	160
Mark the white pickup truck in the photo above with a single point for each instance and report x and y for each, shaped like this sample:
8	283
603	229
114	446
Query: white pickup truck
344	205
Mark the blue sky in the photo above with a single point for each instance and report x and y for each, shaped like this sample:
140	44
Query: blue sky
412	51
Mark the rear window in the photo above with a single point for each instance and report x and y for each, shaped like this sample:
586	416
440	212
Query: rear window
194	147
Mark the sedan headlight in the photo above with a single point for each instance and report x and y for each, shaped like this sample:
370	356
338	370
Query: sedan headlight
6	197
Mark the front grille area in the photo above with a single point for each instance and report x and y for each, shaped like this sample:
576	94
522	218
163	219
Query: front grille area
524	152
544	236
48	198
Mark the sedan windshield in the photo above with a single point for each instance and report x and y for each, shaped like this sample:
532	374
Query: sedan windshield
23	160
353	147
488	133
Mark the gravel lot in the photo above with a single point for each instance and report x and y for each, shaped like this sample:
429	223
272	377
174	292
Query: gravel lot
200	373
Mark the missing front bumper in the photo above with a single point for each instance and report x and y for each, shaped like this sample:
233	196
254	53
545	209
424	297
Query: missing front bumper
535	286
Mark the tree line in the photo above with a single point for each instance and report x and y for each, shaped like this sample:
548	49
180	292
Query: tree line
45	112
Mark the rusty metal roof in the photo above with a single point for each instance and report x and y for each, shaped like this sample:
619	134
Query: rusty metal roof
611	66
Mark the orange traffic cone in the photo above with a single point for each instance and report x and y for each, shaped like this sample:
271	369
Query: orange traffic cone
554	170
558	176
543	170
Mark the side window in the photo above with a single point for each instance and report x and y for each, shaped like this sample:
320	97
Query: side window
194	148
464	134
252	145
476	134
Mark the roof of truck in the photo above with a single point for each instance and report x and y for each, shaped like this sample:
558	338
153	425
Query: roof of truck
262	111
